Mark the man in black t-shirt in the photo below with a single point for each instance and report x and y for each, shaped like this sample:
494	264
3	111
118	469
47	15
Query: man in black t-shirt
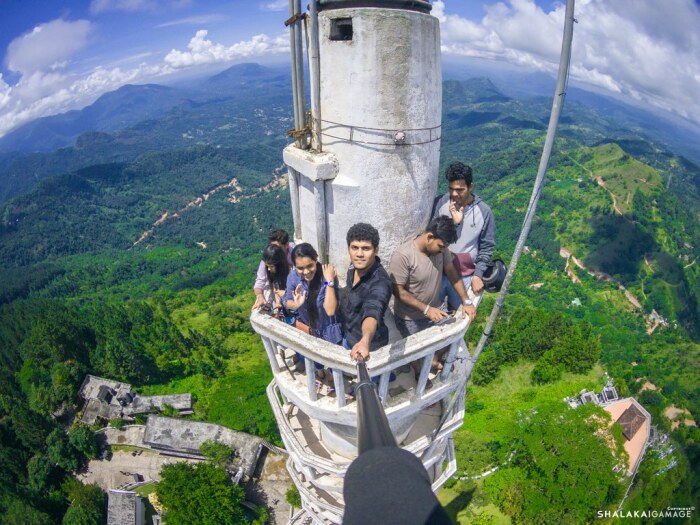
368	290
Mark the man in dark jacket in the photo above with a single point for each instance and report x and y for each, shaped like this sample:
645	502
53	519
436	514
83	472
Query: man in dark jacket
368	290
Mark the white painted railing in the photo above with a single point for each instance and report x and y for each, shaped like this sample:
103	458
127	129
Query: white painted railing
281	339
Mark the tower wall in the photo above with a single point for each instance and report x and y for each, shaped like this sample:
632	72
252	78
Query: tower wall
381	103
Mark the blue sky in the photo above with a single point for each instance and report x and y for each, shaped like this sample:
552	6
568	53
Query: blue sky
61	56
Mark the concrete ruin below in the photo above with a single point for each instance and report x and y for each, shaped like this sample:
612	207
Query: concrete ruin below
125	508
108	399
183	437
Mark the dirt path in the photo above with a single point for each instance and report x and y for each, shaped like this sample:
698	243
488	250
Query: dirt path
233	197
598	275
567	255
599	180
165	216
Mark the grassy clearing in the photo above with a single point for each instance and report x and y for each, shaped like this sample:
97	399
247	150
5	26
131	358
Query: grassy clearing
236	400
491	409
145	490
464	505
124	448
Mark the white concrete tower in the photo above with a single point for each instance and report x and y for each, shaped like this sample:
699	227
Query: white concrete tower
375	127
380	123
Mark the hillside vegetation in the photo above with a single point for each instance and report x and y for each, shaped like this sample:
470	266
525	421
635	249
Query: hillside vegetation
138	266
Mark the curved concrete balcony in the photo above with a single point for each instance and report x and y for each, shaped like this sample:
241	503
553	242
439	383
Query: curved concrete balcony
303	439
281	341
405	394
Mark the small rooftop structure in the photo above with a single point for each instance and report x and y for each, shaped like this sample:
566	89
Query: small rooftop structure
125	508
184	437
95	387
589	397
108	399
608	395
631	421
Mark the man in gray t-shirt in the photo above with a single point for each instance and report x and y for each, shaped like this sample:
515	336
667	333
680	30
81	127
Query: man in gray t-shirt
416	270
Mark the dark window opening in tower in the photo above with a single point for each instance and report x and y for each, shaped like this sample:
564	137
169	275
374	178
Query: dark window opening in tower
341	29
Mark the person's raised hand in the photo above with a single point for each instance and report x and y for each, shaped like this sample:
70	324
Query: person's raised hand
329	273
457	212
299	296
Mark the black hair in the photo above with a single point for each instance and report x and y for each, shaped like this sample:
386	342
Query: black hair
443	228
459	171
306	250
280	236
273	254
363	232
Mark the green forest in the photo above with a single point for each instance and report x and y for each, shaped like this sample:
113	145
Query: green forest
82	290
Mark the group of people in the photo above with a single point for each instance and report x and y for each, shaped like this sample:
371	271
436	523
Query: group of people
444	261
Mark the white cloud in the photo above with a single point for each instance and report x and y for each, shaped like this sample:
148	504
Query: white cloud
5	91
646	50
138	57
44	94
194	20
47	46
45	86
203	51
46	91
101	6
277	5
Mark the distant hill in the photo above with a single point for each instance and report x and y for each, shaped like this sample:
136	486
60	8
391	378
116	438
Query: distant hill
247	74
627	208
112	111
131	104
218	112
674	133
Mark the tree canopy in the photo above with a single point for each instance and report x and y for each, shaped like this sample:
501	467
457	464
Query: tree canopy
563	469
201	493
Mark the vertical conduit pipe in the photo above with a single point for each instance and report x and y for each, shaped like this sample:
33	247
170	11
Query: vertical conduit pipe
293	178
312	47
314	77
299	69
295	88
321	219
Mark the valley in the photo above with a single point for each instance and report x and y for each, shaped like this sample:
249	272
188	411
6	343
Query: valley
131	254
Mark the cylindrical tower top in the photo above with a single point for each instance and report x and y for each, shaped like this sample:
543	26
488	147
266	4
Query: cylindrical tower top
422	6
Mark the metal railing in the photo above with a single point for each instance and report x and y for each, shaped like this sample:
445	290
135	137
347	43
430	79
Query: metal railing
281	341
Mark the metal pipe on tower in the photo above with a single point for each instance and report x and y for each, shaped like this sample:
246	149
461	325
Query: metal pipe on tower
299	49
314	78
